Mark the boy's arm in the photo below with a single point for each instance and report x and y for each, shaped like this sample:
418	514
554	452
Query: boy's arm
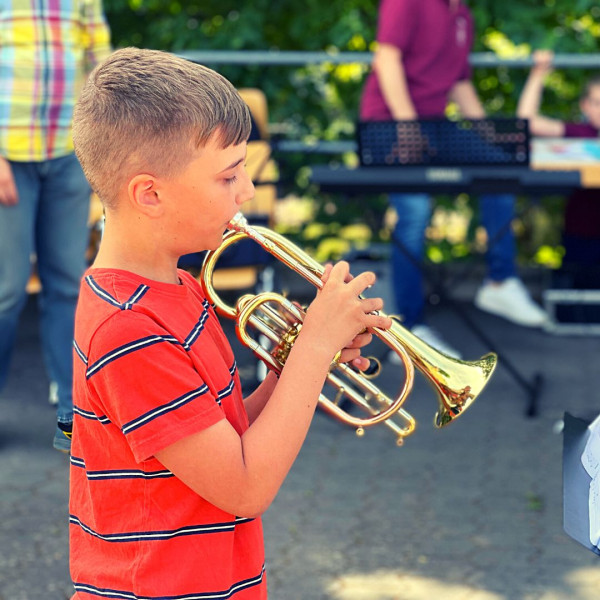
531	98
257	400
387	64
242	474
463	93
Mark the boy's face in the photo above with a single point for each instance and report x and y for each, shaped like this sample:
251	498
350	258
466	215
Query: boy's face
590	106
206	196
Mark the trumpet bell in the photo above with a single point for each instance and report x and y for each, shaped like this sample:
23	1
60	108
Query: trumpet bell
457	382
466	383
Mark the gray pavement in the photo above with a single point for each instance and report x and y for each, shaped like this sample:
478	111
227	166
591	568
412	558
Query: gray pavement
471	512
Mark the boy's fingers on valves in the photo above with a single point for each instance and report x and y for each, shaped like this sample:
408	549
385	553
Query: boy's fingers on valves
378	321
372	305
340	274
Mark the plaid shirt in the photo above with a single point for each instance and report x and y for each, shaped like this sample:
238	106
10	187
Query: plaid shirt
47	48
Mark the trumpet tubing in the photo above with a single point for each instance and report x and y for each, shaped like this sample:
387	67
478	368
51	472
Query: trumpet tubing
456	382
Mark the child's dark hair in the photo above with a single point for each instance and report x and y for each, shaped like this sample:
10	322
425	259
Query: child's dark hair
146	110
591	82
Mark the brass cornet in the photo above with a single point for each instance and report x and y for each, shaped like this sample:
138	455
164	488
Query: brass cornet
279	321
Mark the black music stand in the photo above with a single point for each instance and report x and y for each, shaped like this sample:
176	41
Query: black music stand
444	143
491	143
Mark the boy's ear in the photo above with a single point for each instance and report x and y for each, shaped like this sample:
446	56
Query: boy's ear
143	194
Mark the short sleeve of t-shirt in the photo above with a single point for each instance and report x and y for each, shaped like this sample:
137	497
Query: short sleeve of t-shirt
146	384
582	130
397	22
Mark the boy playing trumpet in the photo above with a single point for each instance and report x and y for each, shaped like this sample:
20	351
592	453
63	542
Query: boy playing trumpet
171	467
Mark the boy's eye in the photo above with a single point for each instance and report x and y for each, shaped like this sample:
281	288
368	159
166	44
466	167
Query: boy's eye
231	180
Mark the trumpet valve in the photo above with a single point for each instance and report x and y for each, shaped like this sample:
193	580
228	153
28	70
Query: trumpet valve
283	349
339	396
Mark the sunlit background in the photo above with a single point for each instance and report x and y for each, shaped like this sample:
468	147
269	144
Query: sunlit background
473	512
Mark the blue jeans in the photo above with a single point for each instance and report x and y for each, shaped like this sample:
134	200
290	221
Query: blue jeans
414	212
49	220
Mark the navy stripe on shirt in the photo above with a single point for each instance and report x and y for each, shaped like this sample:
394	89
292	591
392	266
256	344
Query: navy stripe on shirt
151	536
88	414
144	342
80	353
128	349
226	391
120	473
104	295
217	595
198	328
163	409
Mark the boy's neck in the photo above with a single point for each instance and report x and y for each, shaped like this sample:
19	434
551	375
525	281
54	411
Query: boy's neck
144	259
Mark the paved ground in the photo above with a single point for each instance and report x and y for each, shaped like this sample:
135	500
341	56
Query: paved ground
472	512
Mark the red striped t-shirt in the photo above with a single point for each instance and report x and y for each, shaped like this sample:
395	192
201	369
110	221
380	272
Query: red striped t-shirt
152	365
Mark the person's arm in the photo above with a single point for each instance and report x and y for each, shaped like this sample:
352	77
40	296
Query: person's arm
242	474
258	399
388	67
98	45
8	190
531	98
463	93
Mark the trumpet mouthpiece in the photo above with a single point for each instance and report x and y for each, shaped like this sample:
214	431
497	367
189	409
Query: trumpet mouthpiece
238	223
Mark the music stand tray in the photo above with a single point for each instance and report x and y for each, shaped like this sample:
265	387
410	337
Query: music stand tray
440	142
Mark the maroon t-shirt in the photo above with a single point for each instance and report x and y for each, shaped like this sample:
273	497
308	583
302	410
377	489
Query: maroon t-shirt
435	42
582	212
580	130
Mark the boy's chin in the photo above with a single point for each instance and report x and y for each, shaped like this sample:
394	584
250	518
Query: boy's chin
218	241
213	244
209	244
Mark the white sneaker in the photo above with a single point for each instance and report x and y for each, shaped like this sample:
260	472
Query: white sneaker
53	393
433	338
511	300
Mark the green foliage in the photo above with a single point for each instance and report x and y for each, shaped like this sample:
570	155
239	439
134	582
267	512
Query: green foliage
321	101
312	99
514	29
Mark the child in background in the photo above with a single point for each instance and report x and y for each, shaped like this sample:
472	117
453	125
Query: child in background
543	126
581	235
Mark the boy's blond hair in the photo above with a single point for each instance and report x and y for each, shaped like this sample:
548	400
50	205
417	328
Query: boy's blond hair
149	111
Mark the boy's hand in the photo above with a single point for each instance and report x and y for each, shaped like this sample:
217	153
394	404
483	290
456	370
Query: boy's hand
351	353
339	319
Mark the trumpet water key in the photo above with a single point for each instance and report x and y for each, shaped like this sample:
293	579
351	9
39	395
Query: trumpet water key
278	322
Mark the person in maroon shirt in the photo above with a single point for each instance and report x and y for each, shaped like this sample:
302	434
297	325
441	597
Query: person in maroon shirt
421	58
422	63
581	234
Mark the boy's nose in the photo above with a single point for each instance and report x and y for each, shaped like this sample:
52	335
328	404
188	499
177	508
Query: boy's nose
247	193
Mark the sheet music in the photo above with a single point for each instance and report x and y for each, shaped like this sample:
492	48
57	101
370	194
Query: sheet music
591	463
565	151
